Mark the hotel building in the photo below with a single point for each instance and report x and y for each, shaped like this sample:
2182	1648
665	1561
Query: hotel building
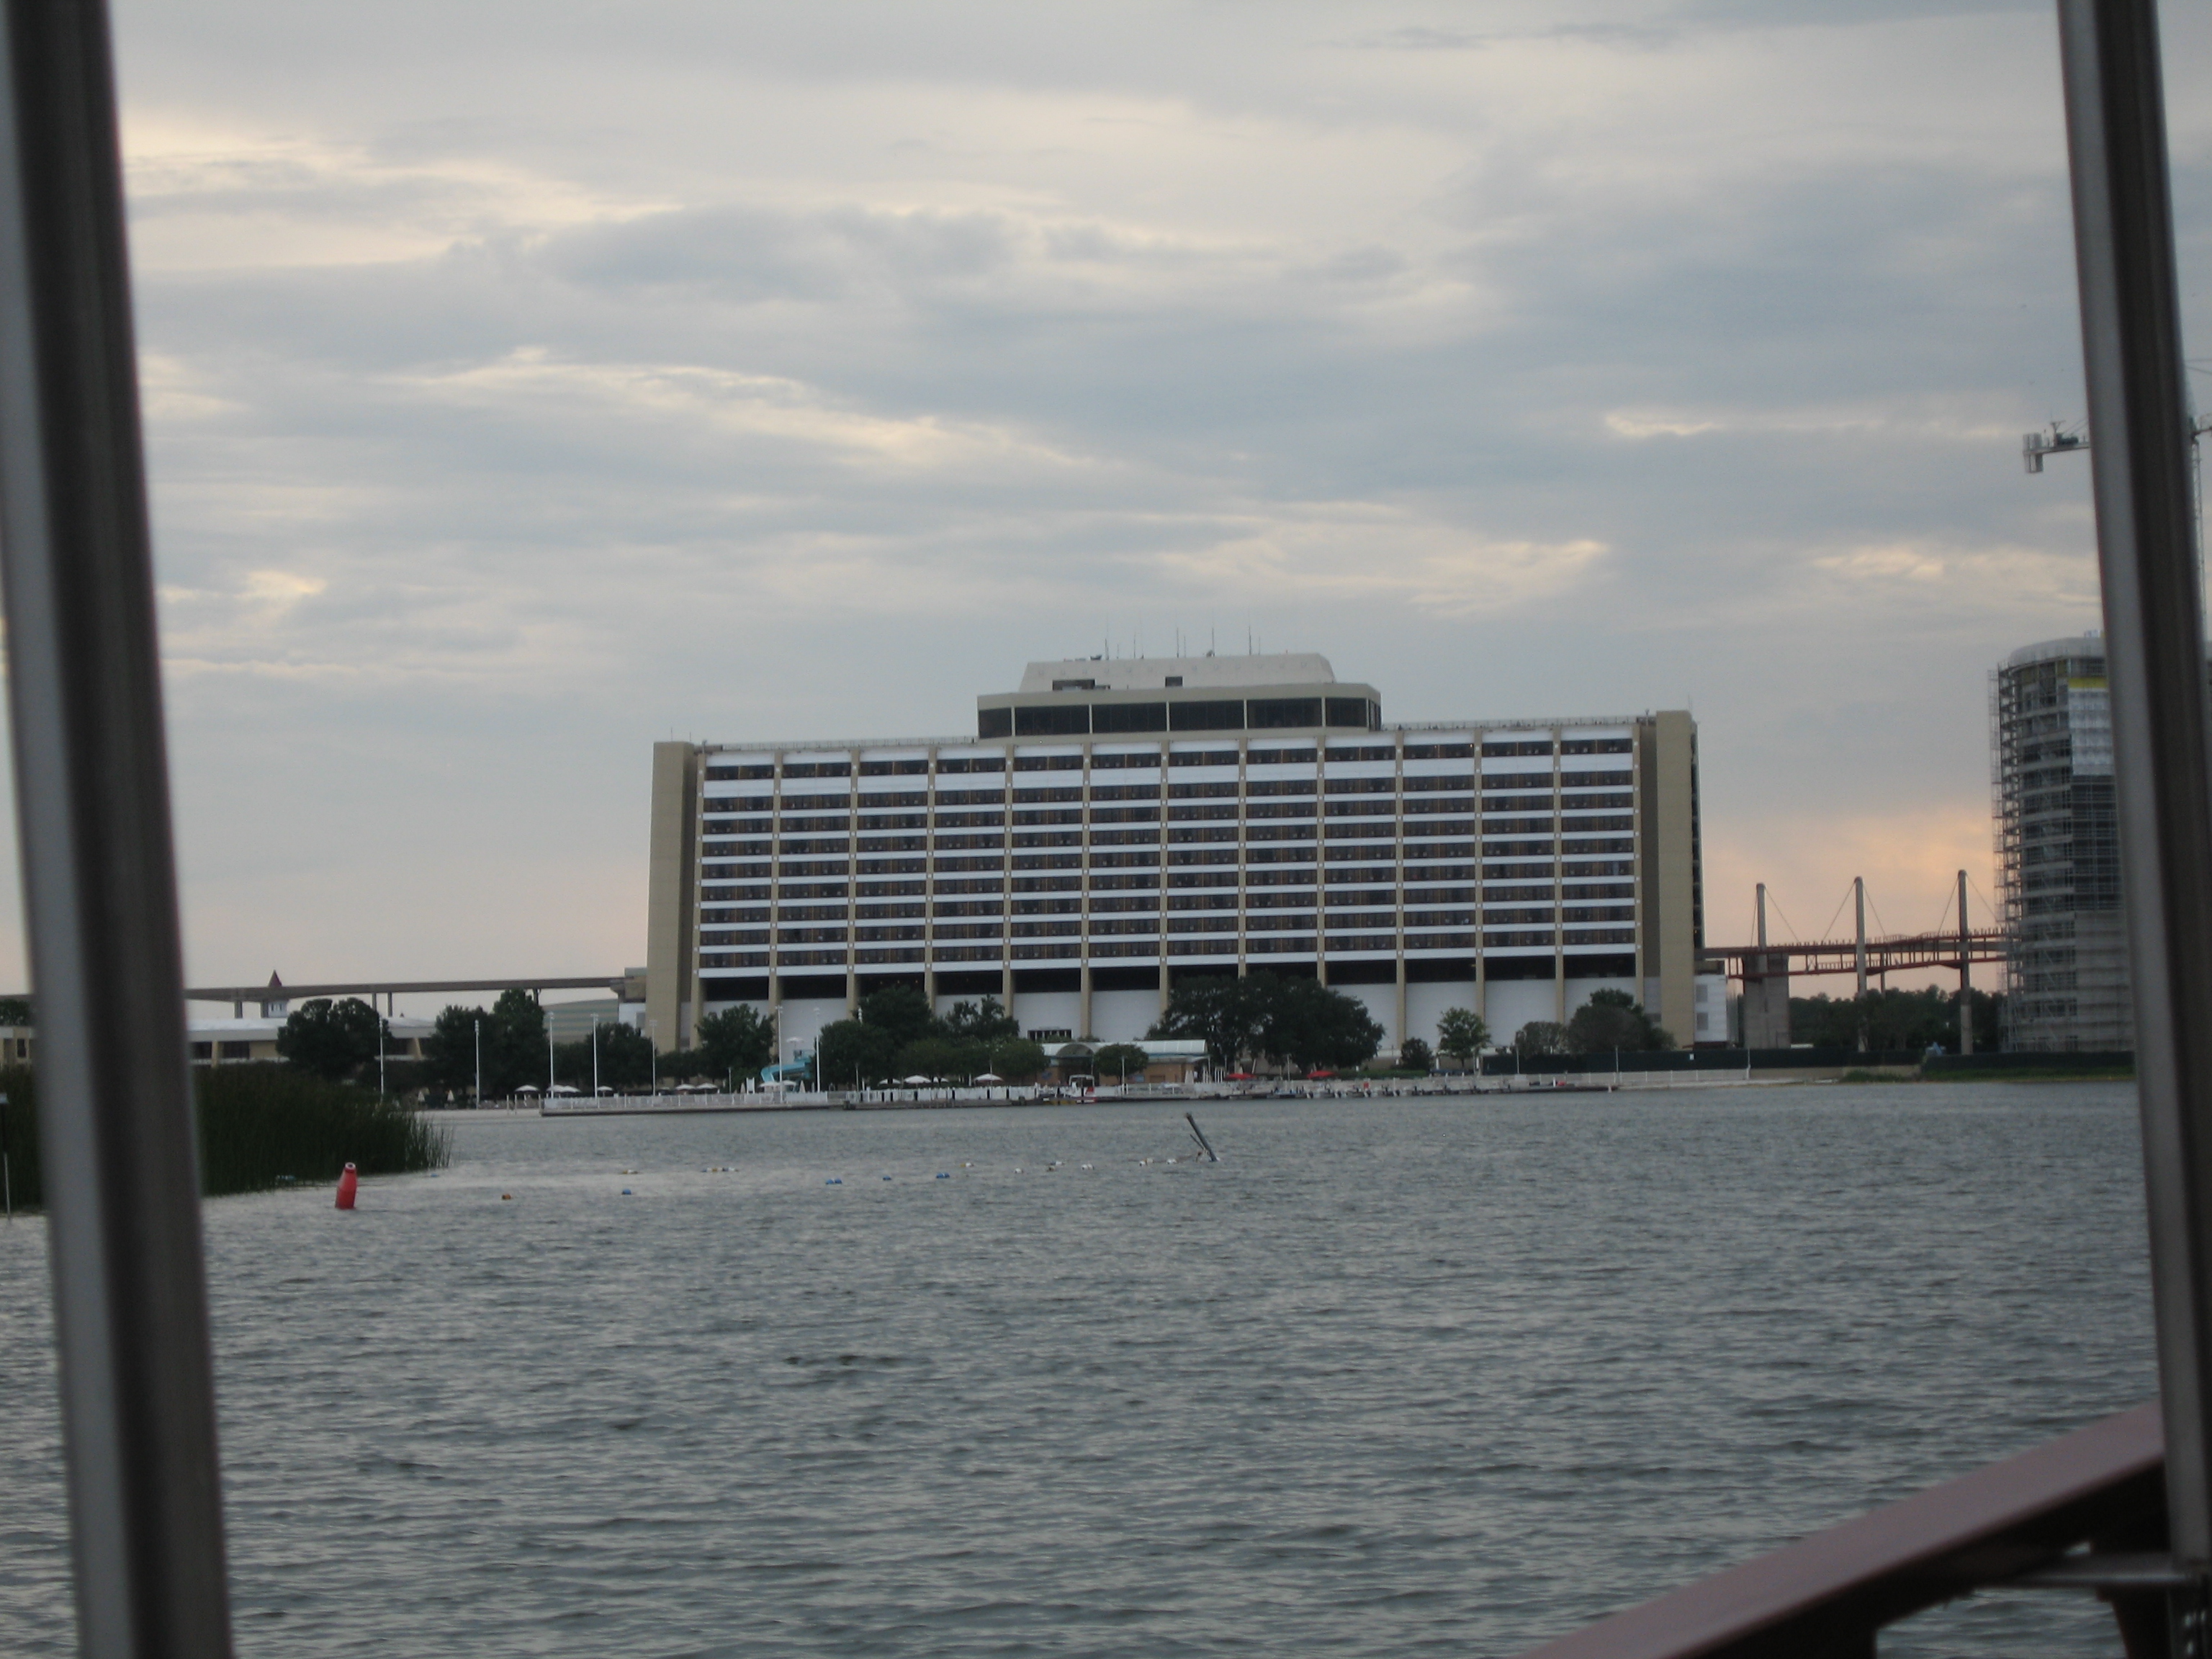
2058	849
1116	827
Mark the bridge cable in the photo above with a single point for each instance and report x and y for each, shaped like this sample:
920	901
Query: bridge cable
1826	931
1775	904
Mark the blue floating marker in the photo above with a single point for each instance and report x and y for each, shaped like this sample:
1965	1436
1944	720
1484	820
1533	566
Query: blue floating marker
887	1177
835	1181
941	1175
626	1192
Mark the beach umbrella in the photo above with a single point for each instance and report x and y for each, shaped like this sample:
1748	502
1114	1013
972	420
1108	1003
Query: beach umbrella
990	1076
918	1079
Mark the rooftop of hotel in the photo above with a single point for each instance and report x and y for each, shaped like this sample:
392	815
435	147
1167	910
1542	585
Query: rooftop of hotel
1191	673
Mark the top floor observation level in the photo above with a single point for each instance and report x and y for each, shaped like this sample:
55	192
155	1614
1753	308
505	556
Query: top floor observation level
1157	696
1114	826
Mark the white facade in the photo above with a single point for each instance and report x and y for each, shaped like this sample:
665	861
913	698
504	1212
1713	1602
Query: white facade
1125	825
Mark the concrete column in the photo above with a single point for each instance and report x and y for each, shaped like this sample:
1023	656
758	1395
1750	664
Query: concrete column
1398	873
1321	858
1481	903
1083	900
1243	852
774	896
671	907
853	885
1672	861
1007	886
929	880
1558	893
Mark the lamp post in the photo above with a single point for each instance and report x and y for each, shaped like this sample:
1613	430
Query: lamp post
653	1043
595	1056
479	1025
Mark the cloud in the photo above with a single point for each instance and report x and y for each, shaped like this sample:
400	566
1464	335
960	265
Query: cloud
521	387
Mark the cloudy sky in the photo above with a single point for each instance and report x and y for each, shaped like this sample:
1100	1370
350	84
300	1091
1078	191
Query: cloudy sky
526	383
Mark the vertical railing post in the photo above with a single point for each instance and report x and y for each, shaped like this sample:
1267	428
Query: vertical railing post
2131	348
122	1182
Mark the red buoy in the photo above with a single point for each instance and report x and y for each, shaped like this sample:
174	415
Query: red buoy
348	1184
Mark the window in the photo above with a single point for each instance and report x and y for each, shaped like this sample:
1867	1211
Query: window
1052	720
879	769
1208	715
236	1051
1283	757
1372	751
974	762
1203	757
1048	763
1175	679
1287	711
1075	686
1519	746
1355	712
994	722
1149	758
1128	717
1439	751
817	768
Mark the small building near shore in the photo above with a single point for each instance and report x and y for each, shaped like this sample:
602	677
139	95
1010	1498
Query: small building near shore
236	1042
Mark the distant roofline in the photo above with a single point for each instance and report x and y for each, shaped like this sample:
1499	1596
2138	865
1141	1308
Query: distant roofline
2071	645
1145	741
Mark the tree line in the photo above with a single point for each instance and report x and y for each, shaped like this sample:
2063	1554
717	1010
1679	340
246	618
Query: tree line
339	1038
897	1034
1271	1019
1895	1020
1609	1020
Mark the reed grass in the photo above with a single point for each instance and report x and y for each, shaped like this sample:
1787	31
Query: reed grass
259	1126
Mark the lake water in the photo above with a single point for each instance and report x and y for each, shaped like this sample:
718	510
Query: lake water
1393	1377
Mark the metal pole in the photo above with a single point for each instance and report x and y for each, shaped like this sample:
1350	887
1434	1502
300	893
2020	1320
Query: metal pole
1858	893
1965	979
92	802
2155	650
479	1026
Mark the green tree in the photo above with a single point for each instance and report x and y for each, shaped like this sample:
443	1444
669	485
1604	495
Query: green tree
449	1053
1311	1027
940	1058
986	1024
1462	1032
1614	1020
514	1044
332	1039
901	1014
1017	1060
15	1010
1542	1036
1413	1055
1226	1014
738	1040
625	1058
849	1053
1121	1061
